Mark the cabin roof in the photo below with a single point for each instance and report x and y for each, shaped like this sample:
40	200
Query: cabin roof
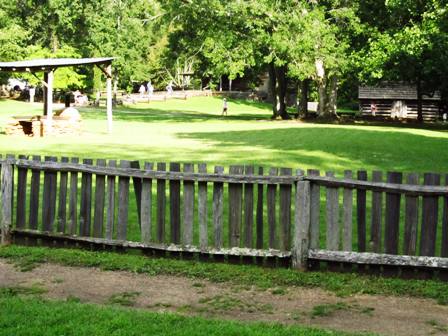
393	91
51	63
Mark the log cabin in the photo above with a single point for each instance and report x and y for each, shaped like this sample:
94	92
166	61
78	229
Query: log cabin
397	101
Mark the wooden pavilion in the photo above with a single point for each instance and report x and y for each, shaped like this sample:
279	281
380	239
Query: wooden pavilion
49	66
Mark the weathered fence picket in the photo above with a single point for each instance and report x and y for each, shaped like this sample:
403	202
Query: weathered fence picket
110	212
411	219
21	195
202	209
361	212
347	236
259	217
174	205
73	201
85	212
248	209
272	210
218	208
98	214
146	207
161	205
188	207
34	196
123	203
429	218
62	200
314	211
391	232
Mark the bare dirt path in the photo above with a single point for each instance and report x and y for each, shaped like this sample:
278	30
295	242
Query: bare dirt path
315	307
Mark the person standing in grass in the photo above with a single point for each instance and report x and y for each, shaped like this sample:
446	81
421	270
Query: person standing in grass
224	107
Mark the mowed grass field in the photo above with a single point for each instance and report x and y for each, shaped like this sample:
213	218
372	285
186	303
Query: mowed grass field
193	131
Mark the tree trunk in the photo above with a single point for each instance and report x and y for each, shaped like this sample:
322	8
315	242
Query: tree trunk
303	100
282	82
332	96
321	87
419	101
272	89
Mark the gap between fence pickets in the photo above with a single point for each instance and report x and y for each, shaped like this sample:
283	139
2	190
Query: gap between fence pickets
154	174
366	258
234	251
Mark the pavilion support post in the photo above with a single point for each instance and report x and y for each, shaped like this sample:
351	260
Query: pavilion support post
109	97
45	93
49	101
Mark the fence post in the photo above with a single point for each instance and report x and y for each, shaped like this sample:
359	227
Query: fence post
301	226
6	199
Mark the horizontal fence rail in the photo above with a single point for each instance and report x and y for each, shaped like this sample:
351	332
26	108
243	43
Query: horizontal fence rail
276	216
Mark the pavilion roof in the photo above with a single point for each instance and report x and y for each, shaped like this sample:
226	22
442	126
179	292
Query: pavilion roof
37	65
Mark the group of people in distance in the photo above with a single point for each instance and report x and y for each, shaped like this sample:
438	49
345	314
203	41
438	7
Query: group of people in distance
149	89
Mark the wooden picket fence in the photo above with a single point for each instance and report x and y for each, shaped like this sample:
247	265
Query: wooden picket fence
274	217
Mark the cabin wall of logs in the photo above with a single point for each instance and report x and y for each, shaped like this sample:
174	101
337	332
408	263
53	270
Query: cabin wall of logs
390	223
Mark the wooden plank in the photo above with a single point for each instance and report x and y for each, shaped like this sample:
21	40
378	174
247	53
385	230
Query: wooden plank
411	219
235	208
188	207
315	211
271	198
302	222
259	218
85	212
73	201
34	196
249	210
444	252
202	208
218	208
155	247
429	218
361	212
377	213
62	201
378	259
110	212
161	205
285	211
332	210
10	159
175	206
49	198
21	196
123	203
146	207
166	175
6	197
347	234
416	190
98	213
137	183
392	215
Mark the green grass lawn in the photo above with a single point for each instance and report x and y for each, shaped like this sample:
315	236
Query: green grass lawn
33	316
193	131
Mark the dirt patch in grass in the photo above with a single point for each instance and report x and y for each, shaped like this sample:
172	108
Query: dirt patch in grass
315	307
